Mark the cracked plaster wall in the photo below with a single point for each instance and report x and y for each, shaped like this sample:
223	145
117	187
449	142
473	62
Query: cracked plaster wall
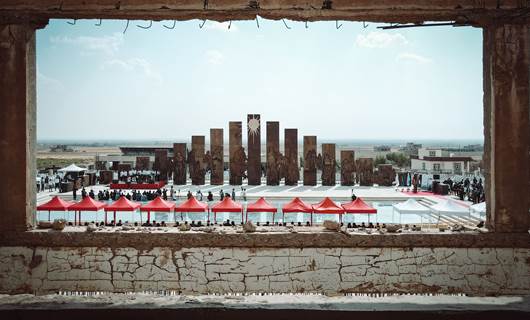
476	271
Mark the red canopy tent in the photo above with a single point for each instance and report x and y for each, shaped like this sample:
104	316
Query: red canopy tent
359	206
87	204
156	205
297	205
261	205
327	206
227	205
122	204
192	205
55	204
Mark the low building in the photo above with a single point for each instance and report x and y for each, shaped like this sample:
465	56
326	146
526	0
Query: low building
439	161
129	155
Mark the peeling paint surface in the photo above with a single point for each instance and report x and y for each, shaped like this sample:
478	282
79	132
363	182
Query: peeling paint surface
332	271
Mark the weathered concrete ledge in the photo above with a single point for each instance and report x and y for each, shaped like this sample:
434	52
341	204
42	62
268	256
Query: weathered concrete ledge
146	301
322	239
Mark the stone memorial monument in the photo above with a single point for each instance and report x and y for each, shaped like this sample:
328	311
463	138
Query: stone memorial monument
310	160
328	164
196	160
292	172
254	149
237	156
347	167
273	153
217	157
179	163
365	171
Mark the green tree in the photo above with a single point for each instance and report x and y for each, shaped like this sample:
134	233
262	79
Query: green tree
379	160
398	158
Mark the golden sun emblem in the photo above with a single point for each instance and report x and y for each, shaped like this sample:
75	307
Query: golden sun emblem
253	125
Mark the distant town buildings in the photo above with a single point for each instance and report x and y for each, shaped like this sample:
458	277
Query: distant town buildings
382	148
411	149
440	161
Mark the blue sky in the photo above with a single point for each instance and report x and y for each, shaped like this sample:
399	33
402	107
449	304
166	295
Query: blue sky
351	83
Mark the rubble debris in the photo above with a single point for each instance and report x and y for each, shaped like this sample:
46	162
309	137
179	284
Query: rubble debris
185	227
249	227
392	228
58	224
331	225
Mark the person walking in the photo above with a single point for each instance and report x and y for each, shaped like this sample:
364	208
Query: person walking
233	194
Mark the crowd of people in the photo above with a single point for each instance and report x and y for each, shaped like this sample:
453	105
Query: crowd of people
48	182
148	195
465	189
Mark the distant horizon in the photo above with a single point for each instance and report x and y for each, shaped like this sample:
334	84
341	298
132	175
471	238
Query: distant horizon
462	141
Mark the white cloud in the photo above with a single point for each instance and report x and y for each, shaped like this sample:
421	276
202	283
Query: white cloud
221	26
412	57
49	82
134	65
108	45
380	40
214	57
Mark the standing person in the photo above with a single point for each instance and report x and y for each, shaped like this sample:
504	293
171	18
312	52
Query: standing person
221	194
210	196
244	194
172	193
74	192
57	182
233	194
189	195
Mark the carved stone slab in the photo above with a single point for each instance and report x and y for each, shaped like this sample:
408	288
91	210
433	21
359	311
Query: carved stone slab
254	149
179	163
196	160
347	167
217	157
328	164
236	152
273	153
292	173
310	160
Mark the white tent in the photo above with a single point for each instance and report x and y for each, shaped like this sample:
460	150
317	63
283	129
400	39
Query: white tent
450	207
410	206
72	168
479	208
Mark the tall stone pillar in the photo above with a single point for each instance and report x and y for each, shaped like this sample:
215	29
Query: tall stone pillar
273	153
217	154
196	160
254	149
310	160
161	163
236	152
179	162
347	167
18	122
292	172
328	164
507	127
